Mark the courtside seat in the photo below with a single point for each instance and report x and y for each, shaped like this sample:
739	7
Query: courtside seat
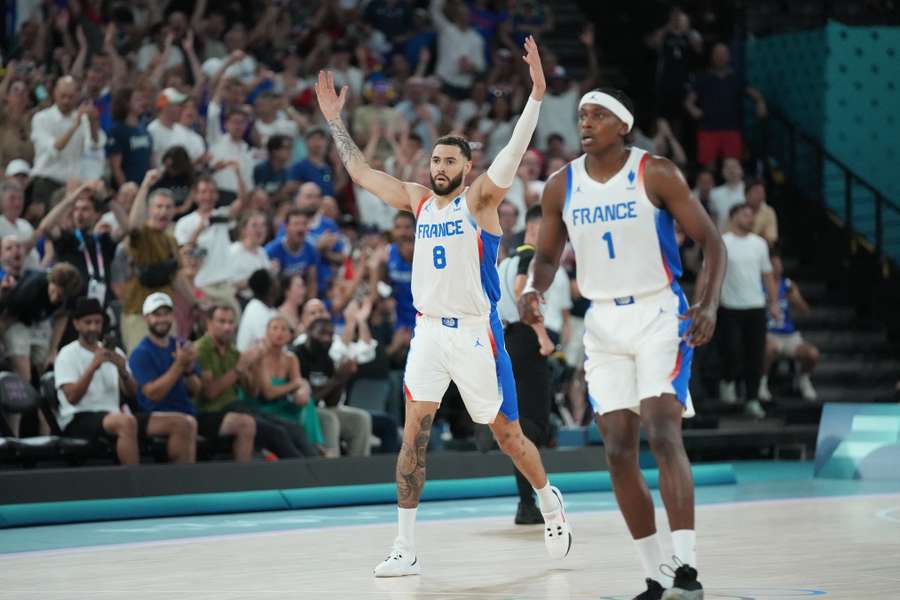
72	449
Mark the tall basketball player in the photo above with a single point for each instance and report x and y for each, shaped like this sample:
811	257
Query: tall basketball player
458	335
619	206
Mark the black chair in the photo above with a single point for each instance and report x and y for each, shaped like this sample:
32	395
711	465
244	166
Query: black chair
74	453
19	398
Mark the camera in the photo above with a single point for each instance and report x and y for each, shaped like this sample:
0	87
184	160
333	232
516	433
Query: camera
217	219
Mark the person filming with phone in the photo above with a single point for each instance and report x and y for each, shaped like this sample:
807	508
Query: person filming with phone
90	379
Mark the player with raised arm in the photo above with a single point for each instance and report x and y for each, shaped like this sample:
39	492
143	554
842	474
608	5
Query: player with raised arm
458	335
618	206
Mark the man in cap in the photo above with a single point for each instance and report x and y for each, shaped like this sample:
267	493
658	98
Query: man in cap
165	131
90	377
168	377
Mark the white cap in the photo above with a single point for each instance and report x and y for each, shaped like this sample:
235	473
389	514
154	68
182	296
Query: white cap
170	96
155	301
609	103
18	167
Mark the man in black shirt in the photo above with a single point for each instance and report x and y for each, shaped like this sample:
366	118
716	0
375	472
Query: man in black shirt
528	348
33	318
715	102
76	243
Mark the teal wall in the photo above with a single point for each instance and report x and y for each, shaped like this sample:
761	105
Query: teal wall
841	85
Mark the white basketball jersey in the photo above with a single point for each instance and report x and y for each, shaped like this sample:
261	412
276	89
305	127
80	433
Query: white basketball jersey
624	245
454	272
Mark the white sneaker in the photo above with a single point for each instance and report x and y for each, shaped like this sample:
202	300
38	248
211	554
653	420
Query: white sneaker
806	387
399	563
764	394
557	532
727	392
754	409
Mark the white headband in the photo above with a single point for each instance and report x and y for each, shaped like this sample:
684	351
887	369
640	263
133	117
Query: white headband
609	103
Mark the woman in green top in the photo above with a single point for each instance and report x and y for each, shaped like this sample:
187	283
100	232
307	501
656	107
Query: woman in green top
283	392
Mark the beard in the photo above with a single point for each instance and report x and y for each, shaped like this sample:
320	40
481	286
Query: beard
444	190
160	330
90	338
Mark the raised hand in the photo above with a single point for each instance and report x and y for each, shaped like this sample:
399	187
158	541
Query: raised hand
533	60
330	103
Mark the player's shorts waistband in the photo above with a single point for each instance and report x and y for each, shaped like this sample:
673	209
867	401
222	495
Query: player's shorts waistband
635	298
452	322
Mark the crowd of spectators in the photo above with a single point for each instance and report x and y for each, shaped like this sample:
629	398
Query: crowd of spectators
177	229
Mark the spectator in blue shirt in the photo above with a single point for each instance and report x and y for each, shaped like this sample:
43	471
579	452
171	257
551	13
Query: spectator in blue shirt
315	166
167	376
399	268
293	252
129	146
322	232
272	174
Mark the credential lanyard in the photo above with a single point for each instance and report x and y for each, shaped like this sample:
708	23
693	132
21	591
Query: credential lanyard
101	267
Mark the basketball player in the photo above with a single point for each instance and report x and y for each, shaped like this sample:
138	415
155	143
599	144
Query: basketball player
455	286
619	206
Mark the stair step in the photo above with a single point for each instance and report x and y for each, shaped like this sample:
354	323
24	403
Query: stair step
866	373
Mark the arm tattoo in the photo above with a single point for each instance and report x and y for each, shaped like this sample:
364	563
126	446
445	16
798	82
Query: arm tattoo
411	466
347	149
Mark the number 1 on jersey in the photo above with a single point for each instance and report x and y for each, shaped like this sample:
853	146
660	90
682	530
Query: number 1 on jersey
439	254
609	244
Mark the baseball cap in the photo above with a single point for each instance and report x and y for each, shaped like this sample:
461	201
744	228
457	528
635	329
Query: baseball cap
18	167
170	96
155	301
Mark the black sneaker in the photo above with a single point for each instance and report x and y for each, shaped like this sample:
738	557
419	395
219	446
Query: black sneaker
685	586
528	514
654	591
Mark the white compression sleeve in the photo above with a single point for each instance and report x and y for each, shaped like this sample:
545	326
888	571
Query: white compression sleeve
503	170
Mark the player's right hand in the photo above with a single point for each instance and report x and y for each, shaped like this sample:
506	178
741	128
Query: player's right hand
330	103
529	305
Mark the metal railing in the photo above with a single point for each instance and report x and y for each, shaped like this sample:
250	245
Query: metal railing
864	211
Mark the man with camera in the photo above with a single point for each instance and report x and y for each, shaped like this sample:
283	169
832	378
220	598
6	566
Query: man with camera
90	377
206	231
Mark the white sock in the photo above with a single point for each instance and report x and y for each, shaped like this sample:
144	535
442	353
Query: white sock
684	542
764	381
406	517
650	551
547	499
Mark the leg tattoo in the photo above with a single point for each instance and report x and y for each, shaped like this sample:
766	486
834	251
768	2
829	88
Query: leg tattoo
411	466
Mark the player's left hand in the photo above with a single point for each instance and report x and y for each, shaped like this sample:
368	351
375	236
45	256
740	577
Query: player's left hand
703	324
533	59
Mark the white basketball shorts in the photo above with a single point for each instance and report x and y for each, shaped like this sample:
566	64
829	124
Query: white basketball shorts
634	351
470	352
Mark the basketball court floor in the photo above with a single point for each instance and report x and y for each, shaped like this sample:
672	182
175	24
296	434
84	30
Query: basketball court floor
777	534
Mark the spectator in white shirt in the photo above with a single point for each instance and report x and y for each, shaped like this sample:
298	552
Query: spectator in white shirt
460	56
559	108
89	378
259	310
728	195
247	255
239	65
742	314
62	136
206	229
12	223
270	120
230	148
166	131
